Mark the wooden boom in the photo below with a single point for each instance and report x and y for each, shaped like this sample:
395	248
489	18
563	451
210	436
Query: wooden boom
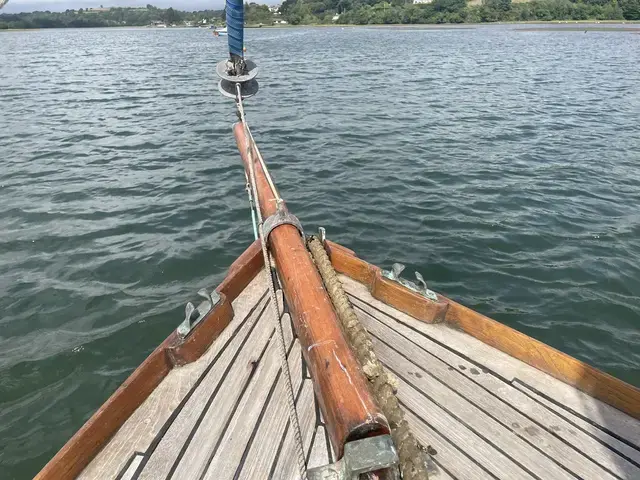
349	410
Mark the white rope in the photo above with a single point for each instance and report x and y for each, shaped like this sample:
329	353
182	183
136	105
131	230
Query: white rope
293	415
252	207
274	190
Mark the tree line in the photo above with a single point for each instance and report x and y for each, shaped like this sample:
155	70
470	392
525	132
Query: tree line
359	12
372	12
113	17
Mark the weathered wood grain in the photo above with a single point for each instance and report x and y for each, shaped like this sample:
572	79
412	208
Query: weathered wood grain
571	418
137	433
129	473
569	370
457	432
229	455
489	405
286	464
510	369
319	455
213	420
232	368
476	418
448	455
76	454
264	447
554	426
85	444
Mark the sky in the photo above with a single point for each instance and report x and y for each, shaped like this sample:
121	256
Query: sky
16	6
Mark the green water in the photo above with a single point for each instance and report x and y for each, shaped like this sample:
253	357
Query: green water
503	165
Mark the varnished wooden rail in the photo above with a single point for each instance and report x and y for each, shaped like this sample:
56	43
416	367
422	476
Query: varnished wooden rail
76	454
565	368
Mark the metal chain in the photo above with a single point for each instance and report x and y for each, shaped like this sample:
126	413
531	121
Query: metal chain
293	415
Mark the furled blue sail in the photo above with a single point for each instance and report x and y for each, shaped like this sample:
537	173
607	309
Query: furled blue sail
235	26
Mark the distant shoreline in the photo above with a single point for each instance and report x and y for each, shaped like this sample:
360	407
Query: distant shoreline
563	25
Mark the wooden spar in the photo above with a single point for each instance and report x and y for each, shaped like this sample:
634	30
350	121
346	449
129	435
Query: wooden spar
349	409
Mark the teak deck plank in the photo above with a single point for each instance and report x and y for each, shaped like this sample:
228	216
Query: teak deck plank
459	434
212	421
510	369
263	449
137	433
163	457
492	432
536	442
577	451
448	456
286	466
229	456
487	414
319	454
129	473
621	449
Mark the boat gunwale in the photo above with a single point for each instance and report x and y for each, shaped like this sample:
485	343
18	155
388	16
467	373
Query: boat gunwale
569	370
80	450
173	352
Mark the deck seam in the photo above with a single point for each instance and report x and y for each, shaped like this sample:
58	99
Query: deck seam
570	411
265	406
128	464
329	447
501	400
161	433
215	392
284	434
254	367
434	340
441	467
313	439
448	440
408	381
254	431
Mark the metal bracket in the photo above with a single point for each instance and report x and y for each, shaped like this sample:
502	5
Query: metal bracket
322	235
360	456
281	217
193	316
394	274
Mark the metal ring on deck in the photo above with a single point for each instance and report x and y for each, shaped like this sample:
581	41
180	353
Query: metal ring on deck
281	217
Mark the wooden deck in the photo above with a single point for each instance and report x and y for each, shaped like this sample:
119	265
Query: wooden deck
487	415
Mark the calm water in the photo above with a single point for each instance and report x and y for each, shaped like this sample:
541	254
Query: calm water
504	165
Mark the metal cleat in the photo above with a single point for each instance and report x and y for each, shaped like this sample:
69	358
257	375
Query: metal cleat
361	457
193	316
394	275
425	290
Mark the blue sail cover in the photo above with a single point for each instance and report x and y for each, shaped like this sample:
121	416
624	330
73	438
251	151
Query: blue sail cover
235	26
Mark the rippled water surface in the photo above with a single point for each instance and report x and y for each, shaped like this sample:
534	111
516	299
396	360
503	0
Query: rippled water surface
502	164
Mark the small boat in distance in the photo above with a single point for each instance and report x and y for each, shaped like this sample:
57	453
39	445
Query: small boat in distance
219	32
